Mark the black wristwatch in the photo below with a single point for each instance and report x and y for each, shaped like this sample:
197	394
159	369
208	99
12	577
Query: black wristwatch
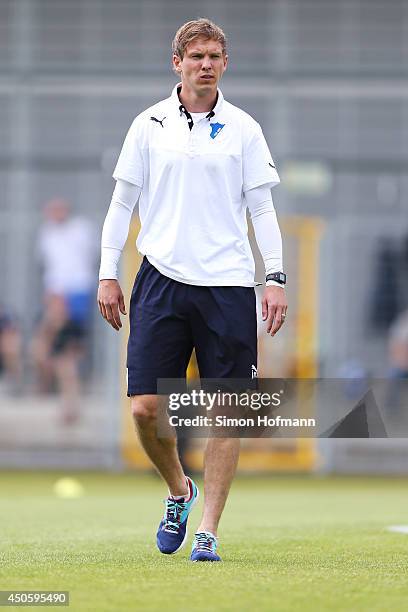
278	277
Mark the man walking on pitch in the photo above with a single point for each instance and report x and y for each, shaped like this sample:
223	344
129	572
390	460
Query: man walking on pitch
195	162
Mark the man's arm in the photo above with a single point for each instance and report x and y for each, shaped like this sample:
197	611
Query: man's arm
114	234
269	240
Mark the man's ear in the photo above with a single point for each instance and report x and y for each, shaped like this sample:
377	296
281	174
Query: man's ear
176	64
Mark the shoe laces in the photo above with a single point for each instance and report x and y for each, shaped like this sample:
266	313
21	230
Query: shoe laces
172	518
205	542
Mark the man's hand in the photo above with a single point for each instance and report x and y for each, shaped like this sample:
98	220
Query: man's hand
110	302
274	307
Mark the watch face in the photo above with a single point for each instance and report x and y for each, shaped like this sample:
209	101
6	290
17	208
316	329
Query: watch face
282	277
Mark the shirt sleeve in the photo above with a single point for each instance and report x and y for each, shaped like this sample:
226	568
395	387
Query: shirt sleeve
116	227
129	166
266	228
258	165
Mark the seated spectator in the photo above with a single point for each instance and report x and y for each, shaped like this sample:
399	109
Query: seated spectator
11	359
68	249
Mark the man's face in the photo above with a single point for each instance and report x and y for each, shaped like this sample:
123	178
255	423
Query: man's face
57	210
202	66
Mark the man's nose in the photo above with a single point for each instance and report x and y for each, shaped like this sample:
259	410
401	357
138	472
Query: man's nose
206	62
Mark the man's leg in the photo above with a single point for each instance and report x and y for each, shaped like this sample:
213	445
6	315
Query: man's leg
220	463
160	346
161	451
66	367
172	531
225	337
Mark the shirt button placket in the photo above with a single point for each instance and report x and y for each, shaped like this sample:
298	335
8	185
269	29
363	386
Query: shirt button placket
191	145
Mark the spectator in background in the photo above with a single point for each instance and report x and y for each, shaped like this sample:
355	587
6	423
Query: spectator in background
67	247
11	360
398	359
398	346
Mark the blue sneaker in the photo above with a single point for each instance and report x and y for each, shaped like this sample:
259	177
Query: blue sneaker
172	532
204	547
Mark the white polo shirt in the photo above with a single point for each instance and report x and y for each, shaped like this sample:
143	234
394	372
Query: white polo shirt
191	208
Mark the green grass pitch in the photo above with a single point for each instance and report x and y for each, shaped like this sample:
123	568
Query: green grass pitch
287	543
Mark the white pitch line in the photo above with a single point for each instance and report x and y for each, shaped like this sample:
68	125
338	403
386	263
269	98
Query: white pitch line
398	528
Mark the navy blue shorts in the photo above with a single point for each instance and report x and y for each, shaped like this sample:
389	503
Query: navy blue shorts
168	319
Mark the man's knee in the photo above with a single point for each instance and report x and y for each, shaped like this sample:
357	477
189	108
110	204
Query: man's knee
144	409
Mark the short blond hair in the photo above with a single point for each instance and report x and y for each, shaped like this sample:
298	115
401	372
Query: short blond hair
193	29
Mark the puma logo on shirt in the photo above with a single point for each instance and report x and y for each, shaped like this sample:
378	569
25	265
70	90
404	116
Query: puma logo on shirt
158	120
